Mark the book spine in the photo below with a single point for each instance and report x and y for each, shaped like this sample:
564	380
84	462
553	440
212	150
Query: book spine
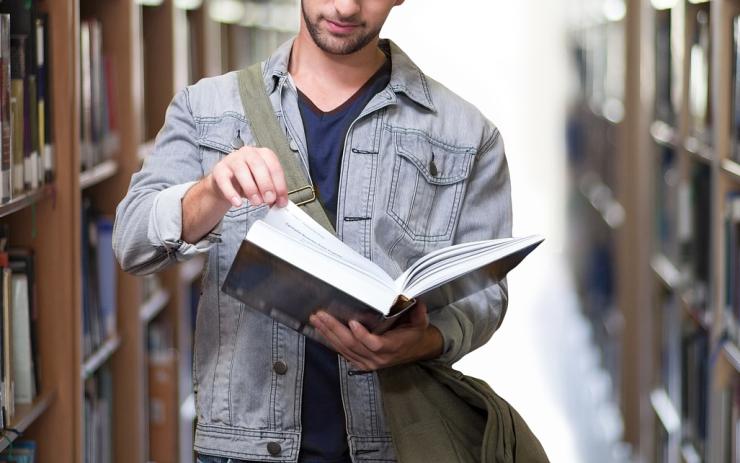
86	127
6	186
40	98
17	70
45	81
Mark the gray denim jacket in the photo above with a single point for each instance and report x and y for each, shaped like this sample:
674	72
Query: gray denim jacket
421	169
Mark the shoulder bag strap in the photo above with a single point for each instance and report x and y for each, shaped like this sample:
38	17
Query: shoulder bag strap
268	134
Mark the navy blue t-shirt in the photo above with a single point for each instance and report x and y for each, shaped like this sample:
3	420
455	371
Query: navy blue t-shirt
324	437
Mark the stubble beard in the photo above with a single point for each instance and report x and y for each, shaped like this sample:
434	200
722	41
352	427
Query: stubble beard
335	45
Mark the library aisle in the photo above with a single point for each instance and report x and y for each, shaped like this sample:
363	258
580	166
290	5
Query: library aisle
543	359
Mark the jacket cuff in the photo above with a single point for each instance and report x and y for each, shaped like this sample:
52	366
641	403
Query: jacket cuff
165	224
452	334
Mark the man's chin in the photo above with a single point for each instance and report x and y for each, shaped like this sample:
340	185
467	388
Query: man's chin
337	45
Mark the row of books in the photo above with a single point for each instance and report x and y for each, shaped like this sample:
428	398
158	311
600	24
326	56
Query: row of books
730	422
18	372
26	135
683	353
98	421
99	139
732	265
99	287
668	68
23	451
682	208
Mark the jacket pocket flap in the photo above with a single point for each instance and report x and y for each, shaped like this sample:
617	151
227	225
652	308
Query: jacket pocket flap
439	163
224	134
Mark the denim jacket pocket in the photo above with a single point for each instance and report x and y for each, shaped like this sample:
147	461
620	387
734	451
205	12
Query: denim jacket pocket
428	184
219	137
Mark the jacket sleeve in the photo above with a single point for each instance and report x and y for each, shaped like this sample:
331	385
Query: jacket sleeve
486	214
148	224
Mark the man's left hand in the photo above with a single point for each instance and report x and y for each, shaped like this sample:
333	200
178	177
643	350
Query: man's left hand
408	342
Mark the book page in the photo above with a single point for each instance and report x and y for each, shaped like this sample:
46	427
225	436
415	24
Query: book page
319	263
294	222
443	268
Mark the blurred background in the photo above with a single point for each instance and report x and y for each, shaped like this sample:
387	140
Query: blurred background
621	120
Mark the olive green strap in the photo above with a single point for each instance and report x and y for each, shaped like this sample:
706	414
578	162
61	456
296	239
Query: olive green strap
268	134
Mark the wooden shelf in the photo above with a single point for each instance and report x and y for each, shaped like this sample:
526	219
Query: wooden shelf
100	356
731	170
663	134
666	272
97	174
154	305
24	200
665	410
24	417
731	353
699	151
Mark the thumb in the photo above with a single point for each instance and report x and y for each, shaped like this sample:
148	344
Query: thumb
418	315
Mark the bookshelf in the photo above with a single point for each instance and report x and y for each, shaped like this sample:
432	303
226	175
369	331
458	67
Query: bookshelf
149	52
673	170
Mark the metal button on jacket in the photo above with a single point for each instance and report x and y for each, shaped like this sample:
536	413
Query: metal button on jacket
273	448
280	367
293	145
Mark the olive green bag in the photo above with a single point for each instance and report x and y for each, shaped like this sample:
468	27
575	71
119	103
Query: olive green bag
434	413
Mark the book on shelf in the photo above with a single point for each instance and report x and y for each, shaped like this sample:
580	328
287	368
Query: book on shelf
288	267
699	241
98	130
670	347
25	339
43	64
99	281
672	199
26	151
700	75
97	415
735	78
732	265
6	157
19	376
665	68
694	385
20	451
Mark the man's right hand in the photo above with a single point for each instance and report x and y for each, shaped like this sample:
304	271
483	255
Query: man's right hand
252	173
249	172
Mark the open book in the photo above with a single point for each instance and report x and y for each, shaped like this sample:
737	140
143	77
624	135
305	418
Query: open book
289	267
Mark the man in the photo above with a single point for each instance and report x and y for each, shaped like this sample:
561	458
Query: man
401	165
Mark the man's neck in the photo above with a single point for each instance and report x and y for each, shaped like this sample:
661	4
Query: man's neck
328	79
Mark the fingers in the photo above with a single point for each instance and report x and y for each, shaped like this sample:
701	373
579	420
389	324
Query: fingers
335	342
371	342
261	174
222	178
278	177
254	171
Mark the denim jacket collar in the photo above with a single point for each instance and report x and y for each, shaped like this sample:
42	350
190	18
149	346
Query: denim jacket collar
406	77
